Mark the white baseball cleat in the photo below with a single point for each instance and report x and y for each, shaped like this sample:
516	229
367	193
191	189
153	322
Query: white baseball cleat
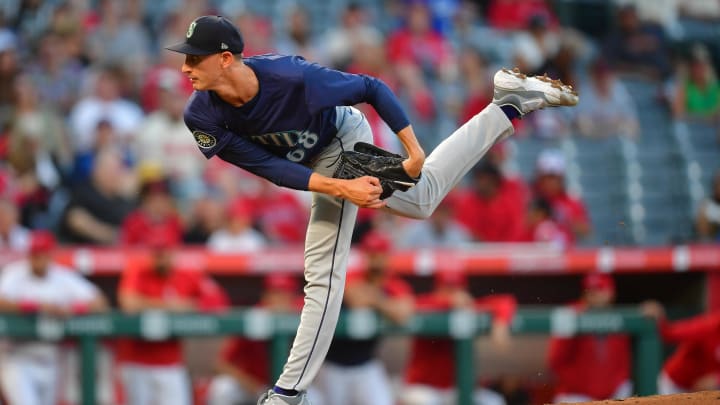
530	93
273	398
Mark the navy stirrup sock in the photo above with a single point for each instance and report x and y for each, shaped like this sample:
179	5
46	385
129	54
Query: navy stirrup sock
283	391
510	111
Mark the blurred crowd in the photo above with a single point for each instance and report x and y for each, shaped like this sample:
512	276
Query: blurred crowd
94	147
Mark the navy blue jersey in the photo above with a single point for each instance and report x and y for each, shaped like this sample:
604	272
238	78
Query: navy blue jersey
289	121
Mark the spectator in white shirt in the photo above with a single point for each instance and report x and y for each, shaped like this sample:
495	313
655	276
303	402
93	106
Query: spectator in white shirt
238	235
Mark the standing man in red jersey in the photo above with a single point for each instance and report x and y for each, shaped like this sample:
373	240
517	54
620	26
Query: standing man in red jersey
153	372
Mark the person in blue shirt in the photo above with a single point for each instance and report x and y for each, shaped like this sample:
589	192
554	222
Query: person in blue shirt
287	120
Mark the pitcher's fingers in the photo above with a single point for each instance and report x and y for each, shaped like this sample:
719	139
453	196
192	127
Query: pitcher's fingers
376	204
373	180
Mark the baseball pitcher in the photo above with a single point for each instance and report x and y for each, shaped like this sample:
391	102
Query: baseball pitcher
290	121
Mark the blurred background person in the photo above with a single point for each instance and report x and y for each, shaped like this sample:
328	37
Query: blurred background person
441	230
120	37
13	236
693	365
155	215
38	138
707	220
105	103
164	142
98	206
636	47
591	367
352	374
568	210
417	43
697	90
237	235
207	215
607	108
430	373
244	364
30	370
542	227
512	15
298	37
280	214
536	46
491	208
339	43
153	372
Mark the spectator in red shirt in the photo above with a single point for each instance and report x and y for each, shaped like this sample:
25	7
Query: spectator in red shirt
568	210
156	216
591	367
244	365
493	209
541	227
153	371
418	44
695	364
351	374
513	14
430	373
279	214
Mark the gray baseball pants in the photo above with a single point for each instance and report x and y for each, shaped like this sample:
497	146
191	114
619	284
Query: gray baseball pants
327	242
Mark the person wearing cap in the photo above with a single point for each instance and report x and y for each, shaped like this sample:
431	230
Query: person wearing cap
568	210
591	367
244	364
238	235
352	374
430	372
153	372
156	217
30	370
287	120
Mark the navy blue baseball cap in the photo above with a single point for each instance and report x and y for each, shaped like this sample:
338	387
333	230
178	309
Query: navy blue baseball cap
210	34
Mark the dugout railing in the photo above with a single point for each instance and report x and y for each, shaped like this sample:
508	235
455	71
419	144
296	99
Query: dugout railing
463	327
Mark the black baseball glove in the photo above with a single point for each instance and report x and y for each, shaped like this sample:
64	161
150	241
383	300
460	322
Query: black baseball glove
369	160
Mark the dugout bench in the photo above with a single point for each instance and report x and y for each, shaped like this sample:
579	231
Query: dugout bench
461	326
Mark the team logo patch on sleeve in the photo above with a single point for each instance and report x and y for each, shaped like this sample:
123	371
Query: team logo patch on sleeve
204	140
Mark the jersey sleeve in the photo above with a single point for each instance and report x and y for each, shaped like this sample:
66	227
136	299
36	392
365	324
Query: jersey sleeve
327	88
690	329
215	140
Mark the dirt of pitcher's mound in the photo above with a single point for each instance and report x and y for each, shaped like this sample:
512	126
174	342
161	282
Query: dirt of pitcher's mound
695	398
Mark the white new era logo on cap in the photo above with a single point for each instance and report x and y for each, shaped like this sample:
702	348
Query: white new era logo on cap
223	45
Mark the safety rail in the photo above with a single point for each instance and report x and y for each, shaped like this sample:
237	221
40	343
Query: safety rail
461	326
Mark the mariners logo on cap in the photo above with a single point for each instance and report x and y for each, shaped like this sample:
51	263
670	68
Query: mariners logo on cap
191	29
204	140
